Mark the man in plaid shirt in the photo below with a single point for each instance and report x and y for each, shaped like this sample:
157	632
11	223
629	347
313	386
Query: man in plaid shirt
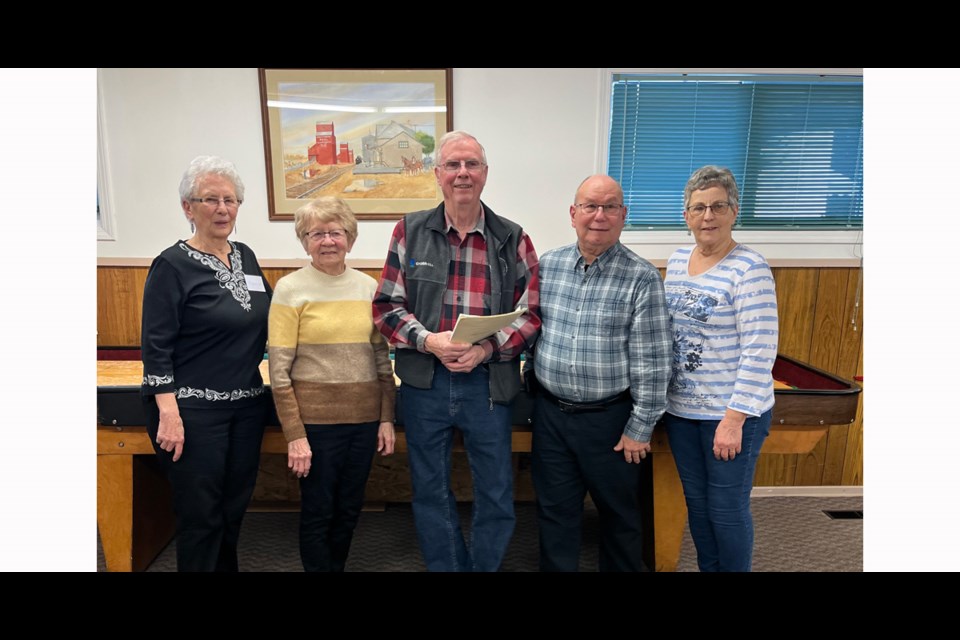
460	257
602	366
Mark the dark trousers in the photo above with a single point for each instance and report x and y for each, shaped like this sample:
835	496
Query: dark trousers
573	454
331	495
212	481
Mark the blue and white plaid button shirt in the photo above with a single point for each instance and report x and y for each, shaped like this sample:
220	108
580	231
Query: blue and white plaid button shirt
605	329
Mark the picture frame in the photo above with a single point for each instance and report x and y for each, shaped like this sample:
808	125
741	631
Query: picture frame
365	135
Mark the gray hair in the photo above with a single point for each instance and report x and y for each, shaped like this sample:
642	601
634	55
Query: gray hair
209	165
324	209
453	136
712	176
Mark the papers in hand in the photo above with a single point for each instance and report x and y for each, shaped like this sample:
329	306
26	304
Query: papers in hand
471	329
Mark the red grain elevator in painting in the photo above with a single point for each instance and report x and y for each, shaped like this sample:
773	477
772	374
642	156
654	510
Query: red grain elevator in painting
324	151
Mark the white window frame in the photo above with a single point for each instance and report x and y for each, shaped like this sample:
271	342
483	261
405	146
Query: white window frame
106	225
679	237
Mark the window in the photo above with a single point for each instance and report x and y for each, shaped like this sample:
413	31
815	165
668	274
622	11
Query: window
403	144
794	143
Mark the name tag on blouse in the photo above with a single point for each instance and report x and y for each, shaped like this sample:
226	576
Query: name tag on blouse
254	283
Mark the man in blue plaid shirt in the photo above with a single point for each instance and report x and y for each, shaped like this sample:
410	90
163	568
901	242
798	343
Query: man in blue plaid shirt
601	368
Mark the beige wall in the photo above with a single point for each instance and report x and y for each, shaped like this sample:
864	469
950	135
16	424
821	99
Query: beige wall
543	130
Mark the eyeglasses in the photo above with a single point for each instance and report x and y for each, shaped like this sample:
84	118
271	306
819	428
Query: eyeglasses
472	166
210	201
591	208
336	235
719	208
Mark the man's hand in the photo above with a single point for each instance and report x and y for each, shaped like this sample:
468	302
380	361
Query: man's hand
468	361
633	451
439	345
455	356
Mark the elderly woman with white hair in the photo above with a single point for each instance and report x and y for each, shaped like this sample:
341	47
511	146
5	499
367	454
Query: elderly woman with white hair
204	331
331	380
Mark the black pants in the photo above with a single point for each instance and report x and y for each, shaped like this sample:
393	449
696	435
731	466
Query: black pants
572	454
212	481
331	496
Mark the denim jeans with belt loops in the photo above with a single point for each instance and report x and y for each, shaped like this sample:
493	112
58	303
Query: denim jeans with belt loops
717	492
429	415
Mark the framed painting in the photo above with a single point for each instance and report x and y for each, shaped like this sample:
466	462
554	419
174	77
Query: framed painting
365	135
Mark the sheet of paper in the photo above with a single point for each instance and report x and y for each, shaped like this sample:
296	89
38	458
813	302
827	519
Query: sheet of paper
471	329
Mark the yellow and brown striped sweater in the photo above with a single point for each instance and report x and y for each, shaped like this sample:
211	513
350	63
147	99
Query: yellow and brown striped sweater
328	363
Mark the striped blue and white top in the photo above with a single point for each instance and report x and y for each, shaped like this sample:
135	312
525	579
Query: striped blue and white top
724	335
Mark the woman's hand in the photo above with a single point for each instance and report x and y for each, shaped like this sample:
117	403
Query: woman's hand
299	456
386	438
170	431
726	440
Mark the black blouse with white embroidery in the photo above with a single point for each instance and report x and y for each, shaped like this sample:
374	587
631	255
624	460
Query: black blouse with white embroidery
204	327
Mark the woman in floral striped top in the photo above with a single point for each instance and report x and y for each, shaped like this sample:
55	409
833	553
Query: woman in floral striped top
723	305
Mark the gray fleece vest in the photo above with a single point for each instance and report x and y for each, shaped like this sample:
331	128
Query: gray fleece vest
425	269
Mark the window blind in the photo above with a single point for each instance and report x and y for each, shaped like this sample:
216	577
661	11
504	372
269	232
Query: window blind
794	143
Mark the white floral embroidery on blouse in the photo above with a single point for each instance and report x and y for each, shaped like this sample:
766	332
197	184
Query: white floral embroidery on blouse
213	394
151	380
233	279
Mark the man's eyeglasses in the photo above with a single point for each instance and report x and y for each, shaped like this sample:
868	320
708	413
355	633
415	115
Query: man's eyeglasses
719	209
210	201
591	208
336	235
472	166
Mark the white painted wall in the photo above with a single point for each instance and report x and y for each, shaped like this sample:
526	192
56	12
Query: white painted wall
542	129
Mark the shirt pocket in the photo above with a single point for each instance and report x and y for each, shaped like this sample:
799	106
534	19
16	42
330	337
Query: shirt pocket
613	319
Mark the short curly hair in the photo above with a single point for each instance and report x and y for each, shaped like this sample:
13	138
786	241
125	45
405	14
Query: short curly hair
324	209
712	176
209	165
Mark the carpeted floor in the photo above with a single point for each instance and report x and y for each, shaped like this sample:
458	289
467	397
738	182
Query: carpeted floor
791	534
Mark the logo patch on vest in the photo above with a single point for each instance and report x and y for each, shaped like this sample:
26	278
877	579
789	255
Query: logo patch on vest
420	263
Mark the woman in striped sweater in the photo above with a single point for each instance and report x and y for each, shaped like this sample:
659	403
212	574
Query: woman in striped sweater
723	305
332	382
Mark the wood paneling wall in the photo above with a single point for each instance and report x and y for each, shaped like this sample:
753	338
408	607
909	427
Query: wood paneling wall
119	303
821	322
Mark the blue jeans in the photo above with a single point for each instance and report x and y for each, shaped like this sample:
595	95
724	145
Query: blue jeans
429	415
717	492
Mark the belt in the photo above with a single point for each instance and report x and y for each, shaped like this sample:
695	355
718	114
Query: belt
582	407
